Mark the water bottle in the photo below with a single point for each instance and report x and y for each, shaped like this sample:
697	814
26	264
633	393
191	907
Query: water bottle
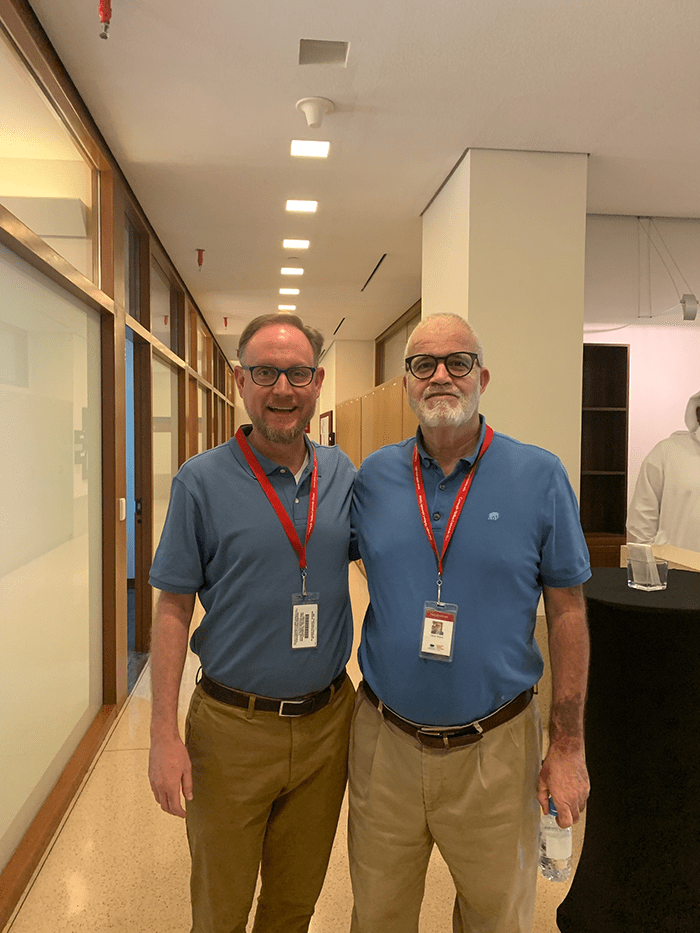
555	847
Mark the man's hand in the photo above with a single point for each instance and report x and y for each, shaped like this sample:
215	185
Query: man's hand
170	773
169	767
564	778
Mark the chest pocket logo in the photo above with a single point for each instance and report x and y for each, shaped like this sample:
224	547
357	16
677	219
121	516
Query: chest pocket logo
493	516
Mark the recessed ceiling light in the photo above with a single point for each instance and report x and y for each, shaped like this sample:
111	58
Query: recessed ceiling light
291	270
295	244
286	307
313	148
307	207
289	291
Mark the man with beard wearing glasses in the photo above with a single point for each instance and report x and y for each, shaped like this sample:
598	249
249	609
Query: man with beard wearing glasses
461	530
259	528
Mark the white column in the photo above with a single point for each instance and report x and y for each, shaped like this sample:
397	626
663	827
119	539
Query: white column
504	246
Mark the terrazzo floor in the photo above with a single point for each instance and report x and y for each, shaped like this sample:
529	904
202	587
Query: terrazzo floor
118	863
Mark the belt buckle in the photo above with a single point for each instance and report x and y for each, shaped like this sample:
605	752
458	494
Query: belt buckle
448	734
284	703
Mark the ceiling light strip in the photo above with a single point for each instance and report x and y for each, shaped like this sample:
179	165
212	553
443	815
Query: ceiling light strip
310	148
303	207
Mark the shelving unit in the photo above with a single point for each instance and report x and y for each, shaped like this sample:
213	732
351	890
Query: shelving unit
604	429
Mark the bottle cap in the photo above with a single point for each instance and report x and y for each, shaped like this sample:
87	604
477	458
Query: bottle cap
552	808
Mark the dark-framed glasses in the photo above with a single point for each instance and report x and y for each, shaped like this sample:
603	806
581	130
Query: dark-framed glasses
298	376
423	365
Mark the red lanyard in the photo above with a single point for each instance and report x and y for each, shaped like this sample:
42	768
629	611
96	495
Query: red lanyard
456	508
280	510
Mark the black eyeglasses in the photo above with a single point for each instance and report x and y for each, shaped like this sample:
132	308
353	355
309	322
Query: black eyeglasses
298	376
423	366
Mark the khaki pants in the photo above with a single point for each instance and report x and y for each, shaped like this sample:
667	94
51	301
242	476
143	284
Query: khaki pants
267	794
477	803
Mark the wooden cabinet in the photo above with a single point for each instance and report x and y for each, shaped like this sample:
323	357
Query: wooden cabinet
604	430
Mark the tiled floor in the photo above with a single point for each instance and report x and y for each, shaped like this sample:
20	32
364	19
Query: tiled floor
120	864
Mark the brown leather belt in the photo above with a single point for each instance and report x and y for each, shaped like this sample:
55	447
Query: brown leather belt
451	736
303	706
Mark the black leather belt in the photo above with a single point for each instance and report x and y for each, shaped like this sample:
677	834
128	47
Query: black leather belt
451	736
302	706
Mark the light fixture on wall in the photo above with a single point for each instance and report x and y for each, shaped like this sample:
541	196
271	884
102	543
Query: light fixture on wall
687	301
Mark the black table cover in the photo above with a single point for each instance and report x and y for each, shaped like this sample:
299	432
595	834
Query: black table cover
640	865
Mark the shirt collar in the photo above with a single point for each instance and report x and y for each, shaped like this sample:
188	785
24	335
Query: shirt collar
464	462
269	466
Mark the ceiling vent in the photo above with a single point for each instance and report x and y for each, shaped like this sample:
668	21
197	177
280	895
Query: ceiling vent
323	52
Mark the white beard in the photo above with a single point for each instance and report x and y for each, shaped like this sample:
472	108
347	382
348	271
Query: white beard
444	413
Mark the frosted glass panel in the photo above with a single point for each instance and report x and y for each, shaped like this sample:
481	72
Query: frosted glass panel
51	550
165	456
44	179
161	317
202	417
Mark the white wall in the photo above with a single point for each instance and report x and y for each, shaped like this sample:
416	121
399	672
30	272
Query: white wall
664	373
626	277
326	400
503	245
354	373
349	366
632	299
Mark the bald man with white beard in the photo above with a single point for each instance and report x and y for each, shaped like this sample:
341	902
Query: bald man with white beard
461	530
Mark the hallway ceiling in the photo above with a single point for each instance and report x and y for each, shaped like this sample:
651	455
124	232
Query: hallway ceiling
197	102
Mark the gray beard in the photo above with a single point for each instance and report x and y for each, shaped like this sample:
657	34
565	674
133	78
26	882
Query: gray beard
444	414
279	437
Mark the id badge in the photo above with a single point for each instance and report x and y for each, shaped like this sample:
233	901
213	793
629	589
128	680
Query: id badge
437	636
304	620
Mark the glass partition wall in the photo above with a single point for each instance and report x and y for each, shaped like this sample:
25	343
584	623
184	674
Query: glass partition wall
51	558
45	180
165	440
103	393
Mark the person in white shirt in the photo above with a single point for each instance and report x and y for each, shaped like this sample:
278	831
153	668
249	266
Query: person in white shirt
665	508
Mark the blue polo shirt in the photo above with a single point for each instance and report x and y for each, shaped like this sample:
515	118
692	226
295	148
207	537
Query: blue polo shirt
223	540
519	529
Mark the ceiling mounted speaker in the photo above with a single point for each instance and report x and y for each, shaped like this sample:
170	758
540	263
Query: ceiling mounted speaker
315	109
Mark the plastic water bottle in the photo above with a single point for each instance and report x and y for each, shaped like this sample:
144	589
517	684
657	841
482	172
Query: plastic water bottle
555	847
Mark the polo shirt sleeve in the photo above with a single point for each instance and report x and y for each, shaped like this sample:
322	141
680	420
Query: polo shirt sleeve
564	559
178	563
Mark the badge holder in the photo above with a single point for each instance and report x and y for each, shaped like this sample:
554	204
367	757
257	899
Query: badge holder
439	620
304	617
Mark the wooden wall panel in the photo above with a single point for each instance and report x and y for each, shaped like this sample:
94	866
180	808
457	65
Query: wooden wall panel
382	416
368	416
348	429
409	421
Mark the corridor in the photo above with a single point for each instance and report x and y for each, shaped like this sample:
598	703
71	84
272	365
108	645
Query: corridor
118	863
